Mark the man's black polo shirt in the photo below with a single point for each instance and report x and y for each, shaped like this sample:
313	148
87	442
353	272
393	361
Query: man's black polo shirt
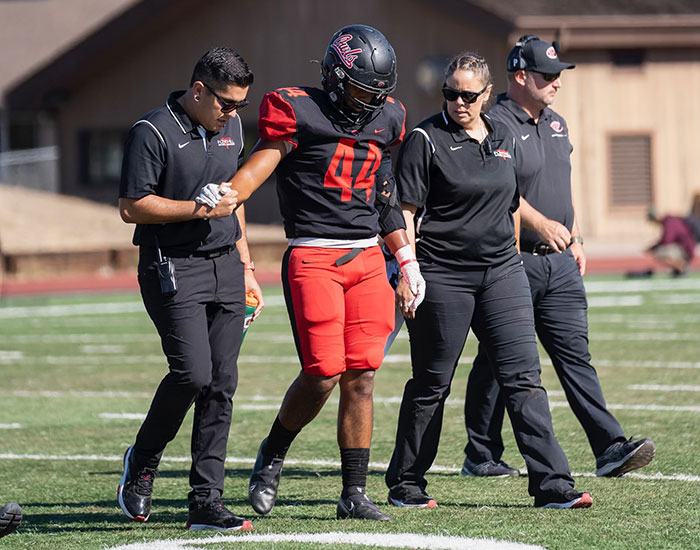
167	155
468	189
543	164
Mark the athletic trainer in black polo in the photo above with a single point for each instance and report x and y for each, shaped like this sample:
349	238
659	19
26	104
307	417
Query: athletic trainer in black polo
193	256
457	183
552	252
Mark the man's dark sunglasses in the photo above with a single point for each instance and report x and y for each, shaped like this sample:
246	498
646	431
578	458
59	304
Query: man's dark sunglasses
227	106
451	94
549	77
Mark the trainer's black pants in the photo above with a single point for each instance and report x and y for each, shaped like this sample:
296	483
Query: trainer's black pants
561	321
496	303
200	328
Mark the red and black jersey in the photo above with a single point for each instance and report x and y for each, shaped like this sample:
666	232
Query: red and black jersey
326	183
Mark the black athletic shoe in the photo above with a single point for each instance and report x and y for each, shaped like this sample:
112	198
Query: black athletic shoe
624	457
135	490
10	518
215	516
570	499
264	481
488	469
359	506
411	499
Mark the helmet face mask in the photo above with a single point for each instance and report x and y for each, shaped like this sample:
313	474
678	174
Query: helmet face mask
359	56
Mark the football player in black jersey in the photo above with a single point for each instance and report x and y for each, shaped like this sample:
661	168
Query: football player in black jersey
328	147
459	192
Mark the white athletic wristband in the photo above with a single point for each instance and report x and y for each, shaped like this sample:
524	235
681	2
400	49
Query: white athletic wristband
405	255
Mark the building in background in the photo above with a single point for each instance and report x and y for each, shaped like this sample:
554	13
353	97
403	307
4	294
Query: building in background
630	103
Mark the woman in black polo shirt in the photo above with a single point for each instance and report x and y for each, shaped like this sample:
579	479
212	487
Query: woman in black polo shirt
457	183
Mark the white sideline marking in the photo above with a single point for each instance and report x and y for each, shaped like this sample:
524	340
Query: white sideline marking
105	348
617	287
647	364
378	540
127	416
661	387
244	359
75	393
381	466
12	426
615	301
645	336
620	407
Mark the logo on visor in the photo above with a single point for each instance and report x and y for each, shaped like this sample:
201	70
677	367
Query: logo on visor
347	56
551	52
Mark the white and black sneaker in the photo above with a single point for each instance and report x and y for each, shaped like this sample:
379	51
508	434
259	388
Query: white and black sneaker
488	469
135	490
359	506
569	499
411	499
625	456
215	516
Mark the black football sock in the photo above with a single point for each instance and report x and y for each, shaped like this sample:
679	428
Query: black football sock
279	440
354	464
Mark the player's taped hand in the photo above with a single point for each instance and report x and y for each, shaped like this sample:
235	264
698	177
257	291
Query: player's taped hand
410	271
210	195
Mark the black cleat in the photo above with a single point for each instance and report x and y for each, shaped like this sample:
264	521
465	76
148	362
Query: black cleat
624	457
359	506
488	469
135	490
10	518
264	481
215	516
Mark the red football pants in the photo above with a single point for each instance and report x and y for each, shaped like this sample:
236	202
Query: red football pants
341	315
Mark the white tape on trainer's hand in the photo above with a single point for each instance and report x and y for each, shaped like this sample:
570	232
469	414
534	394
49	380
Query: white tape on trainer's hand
209	195
410	271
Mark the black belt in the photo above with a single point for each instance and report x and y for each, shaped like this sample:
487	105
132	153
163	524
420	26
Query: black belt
345	258
208	254
538	249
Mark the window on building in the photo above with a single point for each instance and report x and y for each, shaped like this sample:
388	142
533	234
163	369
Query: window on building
101	156
628	57
630	170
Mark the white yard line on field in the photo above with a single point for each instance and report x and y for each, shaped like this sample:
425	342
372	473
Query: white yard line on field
651	285
375	540
381	466
12	426
661	387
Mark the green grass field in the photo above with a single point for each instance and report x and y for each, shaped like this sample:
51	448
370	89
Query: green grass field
77	374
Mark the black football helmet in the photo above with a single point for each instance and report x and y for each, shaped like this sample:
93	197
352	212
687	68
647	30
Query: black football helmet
362	56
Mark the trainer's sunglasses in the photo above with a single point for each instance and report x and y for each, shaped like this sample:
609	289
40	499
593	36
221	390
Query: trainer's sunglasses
227	106
451	94
549	77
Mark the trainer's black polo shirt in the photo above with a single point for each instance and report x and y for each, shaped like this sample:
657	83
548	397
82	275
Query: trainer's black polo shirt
468	189
167	155
543	164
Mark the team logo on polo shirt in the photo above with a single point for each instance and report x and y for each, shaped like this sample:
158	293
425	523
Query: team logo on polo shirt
505	155
347	56
225	142
556	126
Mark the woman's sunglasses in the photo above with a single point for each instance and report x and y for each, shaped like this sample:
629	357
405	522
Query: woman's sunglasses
451	94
